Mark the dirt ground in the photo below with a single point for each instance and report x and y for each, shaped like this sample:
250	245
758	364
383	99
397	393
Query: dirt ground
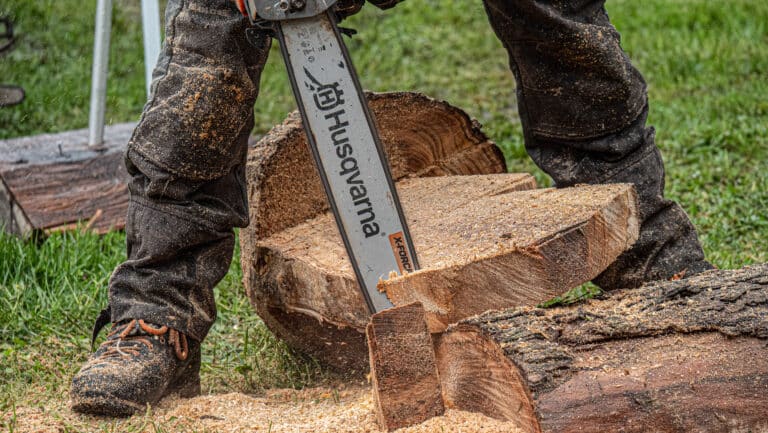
314	410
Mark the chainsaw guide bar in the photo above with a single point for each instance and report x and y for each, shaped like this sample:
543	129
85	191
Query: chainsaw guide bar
344	142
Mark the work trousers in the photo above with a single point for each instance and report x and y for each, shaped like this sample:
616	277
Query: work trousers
582	104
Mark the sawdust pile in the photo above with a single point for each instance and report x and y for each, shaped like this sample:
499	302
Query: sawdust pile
314	410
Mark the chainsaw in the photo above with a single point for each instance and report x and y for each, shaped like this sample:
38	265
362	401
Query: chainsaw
342	137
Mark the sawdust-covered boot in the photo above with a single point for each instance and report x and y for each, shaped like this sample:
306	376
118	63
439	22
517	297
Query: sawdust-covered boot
137	365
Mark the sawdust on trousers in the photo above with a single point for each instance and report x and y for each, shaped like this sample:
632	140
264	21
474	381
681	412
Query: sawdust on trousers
313	410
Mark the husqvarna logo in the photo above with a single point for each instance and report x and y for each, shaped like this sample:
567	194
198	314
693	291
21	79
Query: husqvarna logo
326	96
329	99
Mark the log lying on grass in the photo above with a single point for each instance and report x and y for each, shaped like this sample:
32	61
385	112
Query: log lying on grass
50	182
673	356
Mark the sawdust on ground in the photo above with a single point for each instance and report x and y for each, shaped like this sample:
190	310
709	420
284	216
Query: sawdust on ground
313	410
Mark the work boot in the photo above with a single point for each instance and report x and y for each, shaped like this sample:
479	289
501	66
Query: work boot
137	365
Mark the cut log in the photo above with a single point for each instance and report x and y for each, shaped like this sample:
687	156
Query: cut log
52	181
406	388
421	137
673	356
482	245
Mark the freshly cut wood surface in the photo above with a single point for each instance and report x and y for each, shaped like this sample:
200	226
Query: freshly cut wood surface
673	356
520	248
406	388
421	137
52	181
481	244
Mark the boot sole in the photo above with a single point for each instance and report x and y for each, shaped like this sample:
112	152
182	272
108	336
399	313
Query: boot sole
187	385
108	405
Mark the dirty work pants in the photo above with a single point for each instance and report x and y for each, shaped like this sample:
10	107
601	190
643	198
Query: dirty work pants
582	104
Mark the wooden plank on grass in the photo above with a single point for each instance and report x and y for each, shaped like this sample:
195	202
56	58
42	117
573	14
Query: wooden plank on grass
51	181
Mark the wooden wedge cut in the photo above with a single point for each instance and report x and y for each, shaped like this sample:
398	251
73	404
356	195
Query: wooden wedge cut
519	248
672	356
406	388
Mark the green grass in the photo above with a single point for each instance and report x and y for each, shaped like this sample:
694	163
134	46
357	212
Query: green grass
705	63
53	291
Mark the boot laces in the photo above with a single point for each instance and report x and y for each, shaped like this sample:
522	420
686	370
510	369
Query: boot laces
124	340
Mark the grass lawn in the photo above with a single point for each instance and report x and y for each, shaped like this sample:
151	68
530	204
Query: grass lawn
705	63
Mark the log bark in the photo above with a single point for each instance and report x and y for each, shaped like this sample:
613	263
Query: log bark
406	388
673	356
421	137
51	181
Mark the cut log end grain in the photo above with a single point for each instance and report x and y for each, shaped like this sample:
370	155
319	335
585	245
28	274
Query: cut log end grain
516	248
674	356
405	384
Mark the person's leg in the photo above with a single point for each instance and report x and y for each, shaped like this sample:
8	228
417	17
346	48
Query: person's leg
186	160
583	108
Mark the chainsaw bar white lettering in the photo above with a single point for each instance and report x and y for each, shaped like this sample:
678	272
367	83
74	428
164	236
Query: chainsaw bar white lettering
346	146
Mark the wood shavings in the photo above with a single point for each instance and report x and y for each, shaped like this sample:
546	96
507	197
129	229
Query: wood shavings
313	410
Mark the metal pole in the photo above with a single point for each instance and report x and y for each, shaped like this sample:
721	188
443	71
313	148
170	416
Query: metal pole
150	19
99	72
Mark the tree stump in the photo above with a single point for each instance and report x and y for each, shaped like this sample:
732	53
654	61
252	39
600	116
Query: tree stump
421	137
482	240
672	356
